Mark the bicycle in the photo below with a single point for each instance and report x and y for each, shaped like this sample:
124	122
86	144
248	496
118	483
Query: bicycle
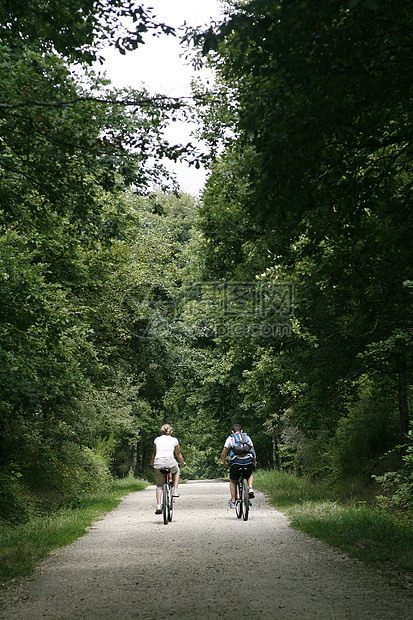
167	497
242	500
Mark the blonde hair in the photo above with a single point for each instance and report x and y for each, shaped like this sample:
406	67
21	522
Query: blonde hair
167	429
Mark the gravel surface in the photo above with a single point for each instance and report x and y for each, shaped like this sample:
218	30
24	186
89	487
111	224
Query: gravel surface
205	563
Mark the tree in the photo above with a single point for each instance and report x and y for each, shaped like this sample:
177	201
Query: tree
74	376
321	114
76	29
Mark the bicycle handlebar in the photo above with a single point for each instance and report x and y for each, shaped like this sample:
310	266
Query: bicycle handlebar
227	464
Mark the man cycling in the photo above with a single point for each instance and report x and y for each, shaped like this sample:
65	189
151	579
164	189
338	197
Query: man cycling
248	460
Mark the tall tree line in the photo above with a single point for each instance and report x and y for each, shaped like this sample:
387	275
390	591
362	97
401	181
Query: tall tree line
85	261
313	191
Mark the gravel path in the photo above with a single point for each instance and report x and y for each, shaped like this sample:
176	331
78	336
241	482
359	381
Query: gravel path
206	559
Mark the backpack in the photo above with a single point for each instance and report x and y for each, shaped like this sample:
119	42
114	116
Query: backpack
241	445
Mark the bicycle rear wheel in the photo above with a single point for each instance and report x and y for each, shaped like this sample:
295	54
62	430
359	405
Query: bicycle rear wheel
170	504
238	500
165	503
245	501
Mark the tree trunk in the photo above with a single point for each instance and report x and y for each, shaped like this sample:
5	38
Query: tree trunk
403	401
134	459
276	457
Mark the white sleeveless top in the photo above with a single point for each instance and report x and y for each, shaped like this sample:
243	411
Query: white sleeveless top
165	446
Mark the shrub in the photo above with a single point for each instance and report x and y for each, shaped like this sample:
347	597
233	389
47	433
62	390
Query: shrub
399	483
66	478
82	470
17	503
365	435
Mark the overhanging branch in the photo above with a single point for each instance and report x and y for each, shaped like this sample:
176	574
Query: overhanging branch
173	102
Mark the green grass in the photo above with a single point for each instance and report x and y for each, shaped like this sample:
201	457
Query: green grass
22	546
334	514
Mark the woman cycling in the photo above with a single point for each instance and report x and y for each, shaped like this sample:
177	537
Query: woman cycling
165	448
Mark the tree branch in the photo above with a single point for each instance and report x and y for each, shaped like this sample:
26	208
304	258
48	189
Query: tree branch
175	102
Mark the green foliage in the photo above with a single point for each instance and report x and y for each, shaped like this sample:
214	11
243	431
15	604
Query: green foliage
42	335
63	477
399	484
84	378
76	28
365	432
202	461
312	187
17	503
82	470
232	248
365	436
82	268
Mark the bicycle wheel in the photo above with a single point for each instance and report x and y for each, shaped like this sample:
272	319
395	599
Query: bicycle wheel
245	500
170	504
238	500
165	507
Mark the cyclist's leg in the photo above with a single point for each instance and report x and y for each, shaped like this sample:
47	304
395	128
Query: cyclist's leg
233	480
159	495
250	489
175	480
158	492
233	489
250	479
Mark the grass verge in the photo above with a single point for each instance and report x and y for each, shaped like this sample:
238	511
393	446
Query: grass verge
334	515
22	546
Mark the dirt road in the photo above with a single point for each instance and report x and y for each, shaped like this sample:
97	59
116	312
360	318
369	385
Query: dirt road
206	563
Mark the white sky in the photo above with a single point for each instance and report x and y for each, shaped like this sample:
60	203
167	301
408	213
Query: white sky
157	65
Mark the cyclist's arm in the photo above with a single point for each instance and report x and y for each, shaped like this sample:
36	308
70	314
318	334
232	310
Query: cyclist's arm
153	455
254	454
224	456
179	455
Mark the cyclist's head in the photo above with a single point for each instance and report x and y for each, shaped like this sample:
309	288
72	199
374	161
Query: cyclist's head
167	429
236	428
